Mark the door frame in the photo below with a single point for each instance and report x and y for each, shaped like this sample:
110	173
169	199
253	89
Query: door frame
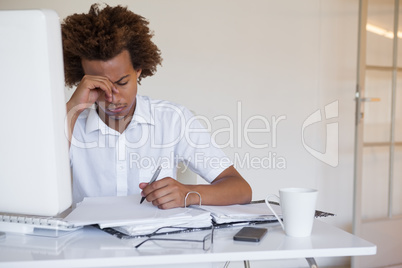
379	230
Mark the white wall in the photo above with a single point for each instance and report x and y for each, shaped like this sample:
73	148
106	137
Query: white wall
273	58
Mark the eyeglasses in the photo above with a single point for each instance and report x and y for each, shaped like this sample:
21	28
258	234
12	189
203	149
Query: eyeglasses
206	241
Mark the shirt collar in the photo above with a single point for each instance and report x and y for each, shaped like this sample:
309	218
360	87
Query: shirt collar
142	115
94	122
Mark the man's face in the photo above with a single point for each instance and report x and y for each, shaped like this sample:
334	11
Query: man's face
120	71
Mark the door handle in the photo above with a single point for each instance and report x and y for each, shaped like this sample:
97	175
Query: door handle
370	99
360	114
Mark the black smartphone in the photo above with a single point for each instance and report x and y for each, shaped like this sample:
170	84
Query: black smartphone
250	234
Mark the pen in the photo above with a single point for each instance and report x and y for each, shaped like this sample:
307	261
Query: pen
154	177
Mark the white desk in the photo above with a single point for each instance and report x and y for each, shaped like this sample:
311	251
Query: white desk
91	247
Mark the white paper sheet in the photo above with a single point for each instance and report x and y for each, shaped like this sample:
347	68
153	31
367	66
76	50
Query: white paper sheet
237	213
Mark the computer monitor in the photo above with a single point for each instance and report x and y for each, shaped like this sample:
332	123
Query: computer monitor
34	164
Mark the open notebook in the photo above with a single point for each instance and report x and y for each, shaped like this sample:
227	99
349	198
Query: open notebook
126	214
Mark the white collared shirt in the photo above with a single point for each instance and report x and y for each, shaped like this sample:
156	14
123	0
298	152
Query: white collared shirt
107	163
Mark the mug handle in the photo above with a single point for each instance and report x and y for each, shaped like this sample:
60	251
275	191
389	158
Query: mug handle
272	210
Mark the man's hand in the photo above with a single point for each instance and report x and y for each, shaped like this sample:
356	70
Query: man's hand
89	90
228	188
167	193
87	93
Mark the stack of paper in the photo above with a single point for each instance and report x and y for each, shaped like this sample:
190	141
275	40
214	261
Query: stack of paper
194	219
242	213
128	215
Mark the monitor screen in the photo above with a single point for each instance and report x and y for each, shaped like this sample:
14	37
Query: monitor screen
34	164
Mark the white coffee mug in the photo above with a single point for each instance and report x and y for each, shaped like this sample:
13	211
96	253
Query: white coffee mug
298	210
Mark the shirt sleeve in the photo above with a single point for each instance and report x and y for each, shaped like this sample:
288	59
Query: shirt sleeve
199	151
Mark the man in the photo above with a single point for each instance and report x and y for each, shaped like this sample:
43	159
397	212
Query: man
116	146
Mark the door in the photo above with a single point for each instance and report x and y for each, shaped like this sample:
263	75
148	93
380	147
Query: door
378	140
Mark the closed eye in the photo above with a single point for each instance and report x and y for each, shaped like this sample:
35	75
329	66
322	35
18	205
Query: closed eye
122	83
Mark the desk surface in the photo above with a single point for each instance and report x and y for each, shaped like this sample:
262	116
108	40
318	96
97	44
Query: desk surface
92	247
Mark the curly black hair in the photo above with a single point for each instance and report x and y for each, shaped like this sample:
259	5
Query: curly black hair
104	33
